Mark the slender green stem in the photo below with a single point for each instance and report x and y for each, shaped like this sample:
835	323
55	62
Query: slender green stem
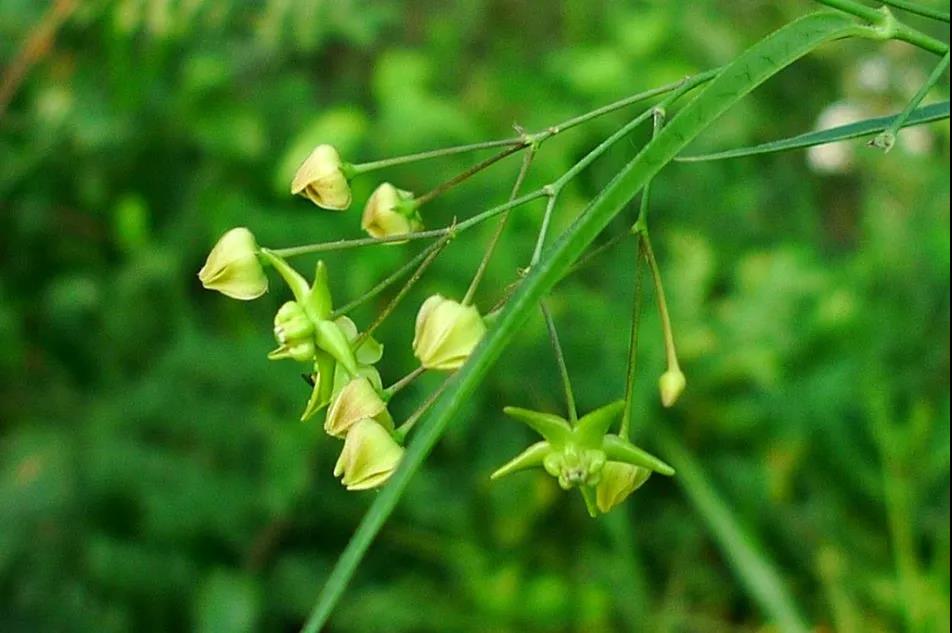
392	390
918	9
617	105
445	186
887	138
459	227
362	168
544	228
641	224
404	429
632	346
560	360
386	283
670	351
500	227
403	291
888	26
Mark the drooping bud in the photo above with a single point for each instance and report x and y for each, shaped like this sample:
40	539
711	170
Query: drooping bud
232	267
294	332
356	401
321	179
446	333
390	211
369	457
671	384
618	481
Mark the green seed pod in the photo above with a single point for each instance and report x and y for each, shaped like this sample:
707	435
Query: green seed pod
618	481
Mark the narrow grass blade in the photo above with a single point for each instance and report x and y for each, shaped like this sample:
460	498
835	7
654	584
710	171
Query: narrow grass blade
866	127
756	571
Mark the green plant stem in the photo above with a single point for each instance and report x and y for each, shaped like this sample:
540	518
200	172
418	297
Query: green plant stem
544	227
393	389
887	138
363	168
560	361
599	250
500	228
401	432
321	247
386	283
403	291
669	348
888	26
463	176
632	345
918	9
749	70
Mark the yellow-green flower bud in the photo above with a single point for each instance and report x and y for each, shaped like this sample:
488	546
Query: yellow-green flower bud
671	384
356	401
390	211
232	267
294	332
369	457
321	179
446	333
618	481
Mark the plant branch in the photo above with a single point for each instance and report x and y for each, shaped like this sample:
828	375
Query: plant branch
445	186
560	360
918	9
632	346
887	138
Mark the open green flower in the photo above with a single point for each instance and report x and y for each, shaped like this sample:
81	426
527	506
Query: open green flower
390	211
232	267
369	457
446	333
322	179
577	456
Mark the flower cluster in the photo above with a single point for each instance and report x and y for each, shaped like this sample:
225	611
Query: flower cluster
341	361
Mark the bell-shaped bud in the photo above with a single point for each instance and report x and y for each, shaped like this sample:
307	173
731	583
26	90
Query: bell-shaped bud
294	332
618	481
389	212
321	178
232	267
671	384
356	401
369	457
446	333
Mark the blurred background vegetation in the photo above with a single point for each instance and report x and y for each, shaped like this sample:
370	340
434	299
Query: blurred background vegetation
154	476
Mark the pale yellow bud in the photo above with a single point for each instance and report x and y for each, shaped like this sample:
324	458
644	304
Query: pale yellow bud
369	457
356	401
671	384
446	333
232	267
618	481
321	179
389	212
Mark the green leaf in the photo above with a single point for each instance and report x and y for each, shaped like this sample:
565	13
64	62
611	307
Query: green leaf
737	79
740	549
866	127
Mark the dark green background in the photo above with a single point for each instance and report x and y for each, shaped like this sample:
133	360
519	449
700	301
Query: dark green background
154	476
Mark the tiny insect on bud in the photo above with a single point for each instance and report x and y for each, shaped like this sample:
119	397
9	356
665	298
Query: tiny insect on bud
369	457
389	212
618	481
232	267
321	178
671	385
356	401
446	333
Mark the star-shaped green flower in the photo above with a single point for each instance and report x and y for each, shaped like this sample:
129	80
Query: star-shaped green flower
575	455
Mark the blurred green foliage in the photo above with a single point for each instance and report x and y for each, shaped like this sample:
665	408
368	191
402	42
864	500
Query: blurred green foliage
154	477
